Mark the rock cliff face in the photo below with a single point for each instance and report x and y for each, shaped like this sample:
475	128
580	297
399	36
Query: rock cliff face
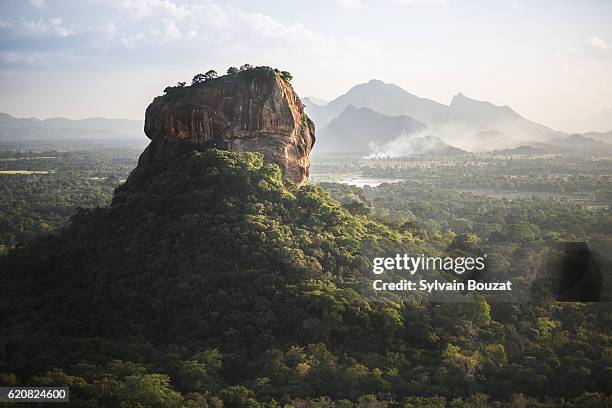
256	112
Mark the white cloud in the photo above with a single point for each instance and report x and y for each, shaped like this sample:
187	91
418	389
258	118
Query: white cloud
47	27
5	23
350	4
169	32
363	4
147	8
206	30
131	41
38	3
597	43
106	28
223	25
438	2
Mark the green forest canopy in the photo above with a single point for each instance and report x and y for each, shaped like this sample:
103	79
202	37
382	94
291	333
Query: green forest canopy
217	282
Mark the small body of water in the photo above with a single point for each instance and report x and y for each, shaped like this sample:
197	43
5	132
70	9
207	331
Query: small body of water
27	172
360	181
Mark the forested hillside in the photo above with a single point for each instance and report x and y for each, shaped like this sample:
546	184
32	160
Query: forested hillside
214	282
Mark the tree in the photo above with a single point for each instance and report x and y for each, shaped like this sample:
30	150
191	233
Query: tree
151	390
198	79
466	242
210	74
181	84
357	208
238	396
232	71
481	312
200	373
245	67
286	76
520	233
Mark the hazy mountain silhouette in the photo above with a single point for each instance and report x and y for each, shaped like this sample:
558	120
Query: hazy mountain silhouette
355	129
41	134
485	115
573	144
601	136
581	142
523	150
381	97
313	100
458	123
12	128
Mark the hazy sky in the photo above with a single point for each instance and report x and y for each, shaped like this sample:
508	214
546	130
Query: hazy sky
549	60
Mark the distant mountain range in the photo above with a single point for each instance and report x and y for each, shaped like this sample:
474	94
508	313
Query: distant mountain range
376	113
381	97
572	144
601	136
575	143
32	129
373	118
359	130
312	100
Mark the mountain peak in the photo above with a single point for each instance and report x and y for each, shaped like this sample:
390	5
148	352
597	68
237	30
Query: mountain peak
379	96
378	84
466	107
365	116
350	109
353	108
313	100
460	98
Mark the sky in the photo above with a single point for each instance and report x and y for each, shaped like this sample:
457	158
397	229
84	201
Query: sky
551	61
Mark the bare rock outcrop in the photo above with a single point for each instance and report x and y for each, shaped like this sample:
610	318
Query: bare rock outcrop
255	110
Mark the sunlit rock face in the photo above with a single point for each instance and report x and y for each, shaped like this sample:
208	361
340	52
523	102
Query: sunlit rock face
239	113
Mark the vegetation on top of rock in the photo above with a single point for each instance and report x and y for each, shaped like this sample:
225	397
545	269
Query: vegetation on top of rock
246	72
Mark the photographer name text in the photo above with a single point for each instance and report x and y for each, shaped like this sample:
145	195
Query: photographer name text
436	285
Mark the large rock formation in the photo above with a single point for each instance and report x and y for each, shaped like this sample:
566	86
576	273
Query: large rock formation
254	110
